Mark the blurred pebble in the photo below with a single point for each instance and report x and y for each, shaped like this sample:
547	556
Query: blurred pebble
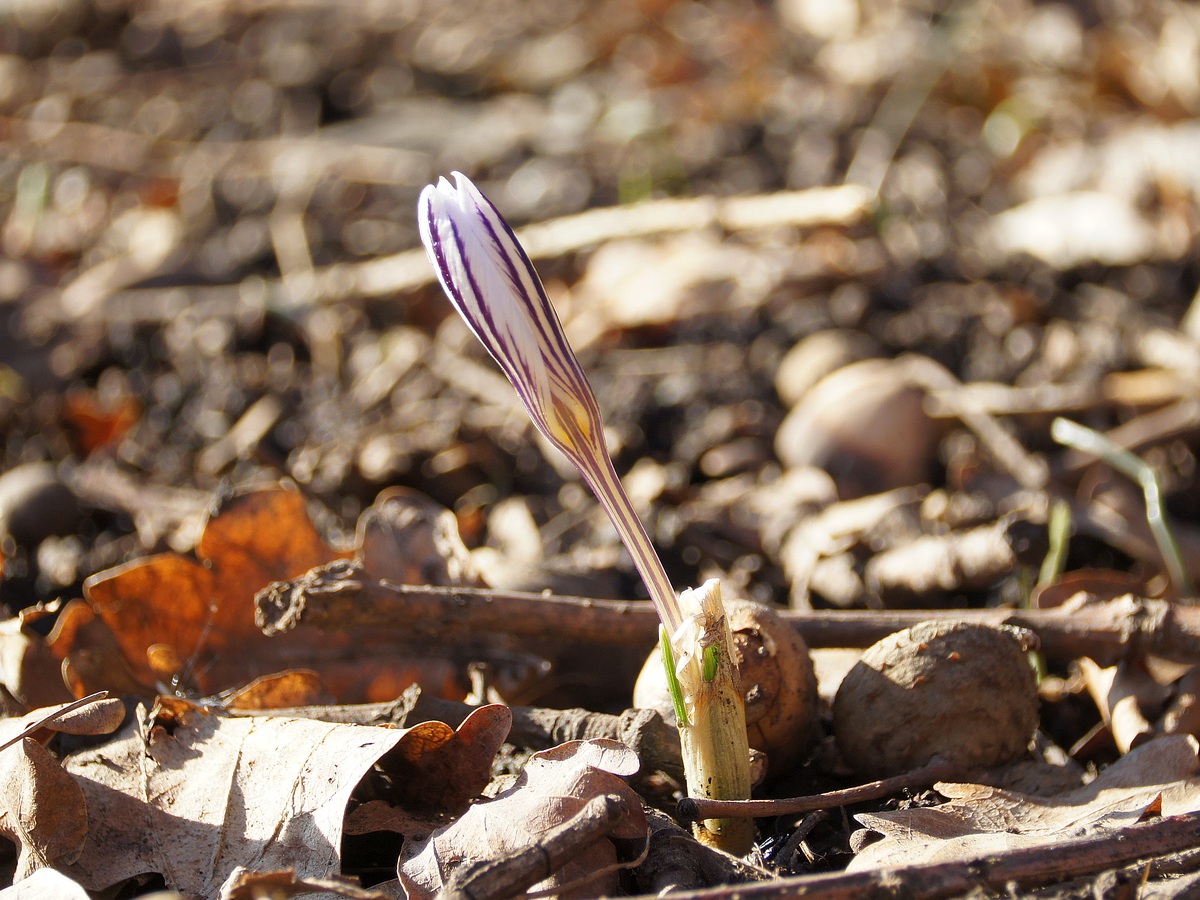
816	356
864	425
35	504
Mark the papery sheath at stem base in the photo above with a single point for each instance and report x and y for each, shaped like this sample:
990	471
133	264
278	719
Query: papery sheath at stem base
716	751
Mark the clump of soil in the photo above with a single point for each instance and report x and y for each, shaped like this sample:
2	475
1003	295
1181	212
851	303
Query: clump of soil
961	691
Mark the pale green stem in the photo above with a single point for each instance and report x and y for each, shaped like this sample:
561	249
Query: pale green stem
608	490
1059	530
1080	437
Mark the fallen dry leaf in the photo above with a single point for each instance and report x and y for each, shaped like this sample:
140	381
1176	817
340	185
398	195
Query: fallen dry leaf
99	421
1123	693
243	885
555	785
221	796
435	772
192	796
192	618
42	809
979	820
28	669
203	608
282	690
90	655
45	884
439	769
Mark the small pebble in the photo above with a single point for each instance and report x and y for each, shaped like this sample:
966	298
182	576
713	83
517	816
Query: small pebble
962	691
35	504
865	426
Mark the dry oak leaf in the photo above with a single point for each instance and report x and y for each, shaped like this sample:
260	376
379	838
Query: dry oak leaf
90	658
173	612
28	669
45	884
244	885
98	714
288	689
42	809
193	796
202	609
436	771
1159	777
439	770
554	787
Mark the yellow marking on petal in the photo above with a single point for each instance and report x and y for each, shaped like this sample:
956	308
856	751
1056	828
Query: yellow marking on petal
570	423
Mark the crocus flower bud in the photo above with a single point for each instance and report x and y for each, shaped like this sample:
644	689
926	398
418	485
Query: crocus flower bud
491	282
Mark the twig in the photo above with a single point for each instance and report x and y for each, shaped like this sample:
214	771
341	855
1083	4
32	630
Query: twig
996	399
797	839
1024	867
410	269
339	595
1027	469
45	720
122	150
1106	631
1118	388
692	808
242	437
676	861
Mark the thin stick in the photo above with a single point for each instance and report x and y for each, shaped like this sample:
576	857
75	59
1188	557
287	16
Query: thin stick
1026	867
339	596
1029	470
56	714
691	808
410	269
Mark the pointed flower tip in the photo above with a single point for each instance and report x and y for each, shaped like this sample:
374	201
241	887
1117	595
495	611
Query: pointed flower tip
493	285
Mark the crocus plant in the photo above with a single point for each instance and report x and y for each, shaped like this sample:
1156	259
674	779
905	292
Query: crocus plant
491	282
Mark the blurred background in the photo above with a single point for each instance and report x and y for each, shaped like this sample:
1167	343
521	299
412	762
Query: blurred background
209	278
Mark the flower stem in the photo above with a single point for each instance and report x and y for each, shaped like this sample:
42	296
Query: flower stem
603	480
712	735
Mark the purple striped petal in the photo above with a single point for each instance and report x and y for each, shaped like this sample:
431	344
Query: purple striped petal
493	285
491	282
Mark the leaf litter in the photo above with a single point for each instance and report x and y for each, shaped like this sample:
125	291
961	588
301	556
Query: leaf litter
228	392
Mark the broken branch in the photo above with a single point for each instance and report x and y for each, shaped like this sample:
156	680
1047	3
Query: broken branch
339	596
